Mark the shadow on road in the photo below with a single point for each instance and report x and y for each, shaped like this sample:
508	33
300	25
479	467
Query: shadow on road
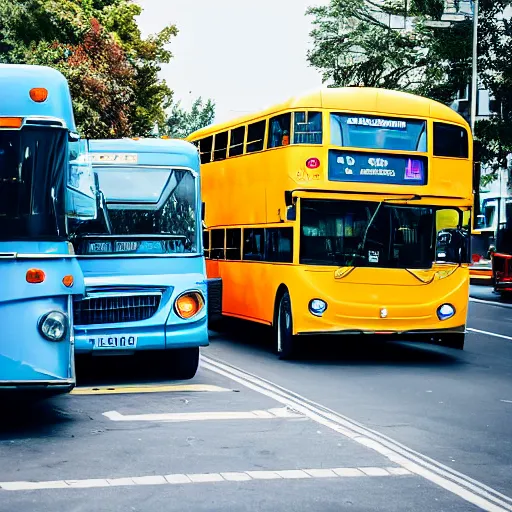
339	350
24	418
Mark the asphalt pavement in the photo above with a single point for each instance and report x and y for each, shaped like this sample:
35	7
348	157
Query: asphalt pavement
351	425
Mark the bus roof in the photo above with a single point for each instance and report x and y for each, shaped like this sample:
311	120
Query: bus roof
17	80
352	99
151	151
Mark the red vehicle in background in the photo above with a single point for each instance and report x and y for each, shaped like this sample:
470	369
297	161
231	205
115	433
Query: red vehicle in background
502	257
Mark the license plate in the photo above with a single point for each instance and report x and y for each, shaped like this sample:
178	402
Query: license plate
114	342
99	247
126	246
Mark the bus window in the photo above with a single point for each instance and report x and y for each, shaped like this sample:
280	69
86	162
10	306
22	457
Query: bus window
236	145
206	243
452	239
256	136
349	130
217	246
279	131
307	128
254	244
205	149
221	146
234	244
450	140
279	243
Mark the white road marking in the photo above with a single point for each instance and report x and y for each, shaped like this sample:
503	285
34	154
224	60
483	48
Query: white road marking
203	478
283	412
491	303
506	401
487	333
235	477
471	490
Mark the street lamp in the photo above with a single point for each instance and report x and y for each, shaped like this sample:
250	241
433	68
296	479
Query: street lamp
474	74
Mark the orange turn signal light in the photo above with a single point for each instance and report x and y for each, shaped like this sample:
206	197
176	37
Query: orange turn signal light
189	304
68	281
35	276
11	122
39	94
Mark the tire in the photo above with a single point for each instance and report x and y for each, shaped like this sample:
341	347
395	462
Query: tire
455	340
183	362
284	338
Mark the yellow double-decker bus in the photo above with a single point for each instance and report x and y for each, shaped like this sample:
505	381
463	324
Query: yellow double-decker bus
342	211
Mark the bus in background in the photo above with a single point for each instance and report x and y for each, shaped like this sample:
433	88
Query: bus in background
493	207
502	256
143	260
343	211
44	182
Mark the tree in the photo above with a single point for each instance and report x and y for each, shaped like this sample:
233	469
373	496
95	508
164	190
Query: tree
495	72
181	123
354	44
97	45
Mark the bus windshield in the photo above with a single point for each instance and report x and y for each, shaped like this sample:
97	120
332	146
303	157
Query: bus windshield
33	171
148	210
372	234
370	132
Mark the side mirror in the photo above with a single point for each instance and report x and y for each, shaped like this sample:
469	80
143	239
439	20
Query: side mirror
73	137
291	213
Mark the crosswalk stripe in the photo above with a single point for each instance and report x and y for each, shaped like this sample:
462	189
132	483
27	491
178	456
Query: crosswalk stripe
206	478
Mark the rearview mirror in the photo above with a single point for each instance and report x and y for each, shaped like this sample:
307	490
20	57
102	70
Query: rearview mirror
291	213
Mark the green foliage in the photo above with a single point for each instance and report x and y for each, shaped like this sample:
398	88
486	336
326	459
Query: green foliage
495	72
181	123
112	70
353	44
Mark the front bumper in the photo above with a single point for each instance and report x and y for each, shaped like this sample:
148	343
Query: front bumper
159	337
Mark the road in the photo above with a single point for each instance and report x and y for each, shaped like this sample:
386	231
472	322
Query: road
349	426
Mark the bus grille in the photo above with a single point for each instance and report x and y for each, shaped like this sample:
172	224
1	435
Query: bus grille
115	309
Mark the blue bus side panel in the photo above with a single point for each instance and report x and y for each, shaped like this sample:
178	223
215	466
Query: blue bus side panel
25	355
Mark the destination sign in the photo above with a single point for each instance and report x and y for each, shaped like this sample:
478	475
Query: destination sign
351	166
375	122
113	158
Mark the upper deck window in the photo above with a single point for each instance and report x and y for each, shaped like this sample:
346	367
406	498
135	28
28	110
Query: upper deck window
256	136
307	128
450	140
279	131
205	149
236	146
363	131
221	146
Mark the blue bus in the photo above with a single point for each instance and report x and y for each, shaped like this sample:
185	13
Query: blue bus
142	258
45	184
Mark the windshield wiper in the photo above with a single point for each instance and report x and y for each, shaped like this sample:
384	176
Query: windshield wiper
374	216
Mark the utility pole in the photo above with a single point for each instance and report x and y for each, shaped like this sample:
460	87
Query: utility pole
474	77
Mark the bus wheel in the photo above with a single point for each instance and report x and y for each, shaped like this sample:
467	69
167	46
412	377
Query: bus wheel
184	362
455	340
285	344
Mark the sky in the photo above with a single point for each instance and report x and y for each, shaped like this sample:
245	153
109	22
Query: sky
244	54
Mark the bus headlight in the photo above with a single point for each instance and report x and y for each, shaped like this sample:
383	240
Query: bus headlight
54	326
189	304
317	307
445	311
